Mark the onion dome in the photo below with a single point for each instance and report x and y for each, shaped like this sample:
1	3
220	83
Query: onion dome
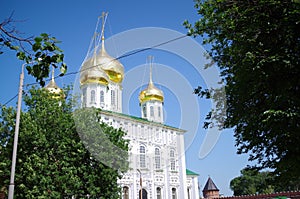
151	92
112	67
92	73
106	67
54	89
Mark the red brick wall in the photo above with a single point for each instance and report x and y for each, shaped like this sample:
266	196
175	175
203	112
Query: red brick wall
292	195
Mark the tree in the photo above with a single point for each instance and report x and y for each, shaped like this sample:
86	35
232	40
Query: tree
52	160
251	182
256	45
39	52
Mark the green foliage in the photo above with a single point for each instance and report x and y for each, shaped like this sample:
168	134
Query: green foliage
52	160
46	53
39	53
103	142
256	45
252	182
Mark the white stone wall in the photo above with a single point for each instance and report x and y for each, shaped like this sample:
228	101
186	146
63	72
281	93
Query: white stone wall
192	186
152	135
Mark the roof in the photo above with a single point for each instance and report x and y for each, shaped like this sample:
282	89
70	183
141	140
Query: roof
210	186
189	172
141	120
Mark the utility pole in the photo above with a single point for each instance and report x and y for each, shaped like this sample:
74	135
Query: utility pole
16	136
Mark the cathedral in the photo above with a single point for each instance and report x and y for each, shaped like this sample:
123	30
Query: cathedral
157	165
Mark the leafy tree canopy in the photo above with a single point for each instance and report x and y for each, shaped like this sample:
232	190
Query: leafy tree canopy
38	52
251	182
256	45
52	160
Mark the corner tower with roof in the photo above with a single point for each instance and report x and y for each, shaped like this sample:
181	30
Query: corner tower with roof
210	190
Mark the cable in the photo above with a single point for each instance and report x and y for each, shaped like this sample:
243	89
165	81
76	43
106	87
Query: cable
126	55
149	48
11	99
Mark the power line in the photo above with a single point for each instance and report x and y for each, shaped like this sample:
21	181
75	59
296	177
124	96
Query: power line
126	55
11	99
117	58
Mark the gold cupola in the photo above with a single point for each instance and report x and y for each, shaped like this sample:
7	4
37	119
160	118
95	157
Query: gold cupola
112	67
106	67
151	92
53	88
91	72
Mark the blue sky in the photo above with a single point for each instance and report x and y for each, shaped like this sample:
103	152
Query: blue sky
73	23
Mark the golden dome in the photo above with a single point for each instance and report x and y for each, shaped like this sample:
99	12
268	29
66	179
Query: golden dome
54	89
92	73
106	67
113	68
151	92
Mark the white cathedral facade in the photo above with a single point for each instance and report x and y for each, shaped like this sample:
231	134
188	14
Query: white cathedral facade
156	150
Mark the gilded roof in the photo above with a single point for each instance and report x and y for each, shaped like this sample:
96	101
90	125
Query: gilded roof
151	92
101	68
53	88
91	72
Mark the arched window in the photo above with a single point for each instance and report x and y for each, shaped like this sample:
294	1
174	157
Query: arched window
101	96
93	97
159	112
142	157
174	194
158	193
144	194
151	111
172	153
144	111
189	193
172	160
157	158
125	192
113	97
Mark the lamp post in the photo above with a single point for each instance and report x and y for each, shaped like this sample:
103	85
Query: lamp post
16	136
141	184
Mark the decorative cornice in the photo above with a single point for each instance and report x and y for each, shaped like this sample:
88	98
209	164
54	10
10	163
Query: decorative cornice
141	120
